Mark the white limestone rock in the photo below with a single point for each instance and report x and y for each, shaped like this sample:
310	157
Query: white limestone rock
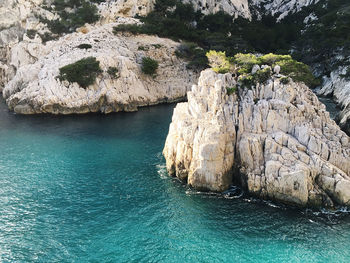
36	89
232	7
17	16
280	137
255	69
110	10
281	8
277	69
245	8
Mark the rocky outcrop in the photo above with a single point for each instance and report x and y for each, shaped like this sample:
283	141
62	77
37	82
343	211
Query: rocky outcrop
16	17
110	10
19	16
36	89
232	7
245	8
280	8
278	136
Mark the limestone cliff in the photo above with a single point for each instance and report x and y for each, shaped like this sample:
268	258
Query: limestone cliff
278	136
245	8
36	89
16	16
109	10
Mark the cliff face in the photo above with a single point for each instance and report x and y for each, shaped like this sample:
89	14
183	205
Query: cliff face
279	137
36	89
280	8
16	16
245	8
109	10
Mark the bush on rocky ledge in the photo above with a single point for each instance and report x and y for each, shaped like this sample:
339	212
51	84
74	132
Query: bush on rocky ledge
83	72
113	72
242	66
84	46
149	66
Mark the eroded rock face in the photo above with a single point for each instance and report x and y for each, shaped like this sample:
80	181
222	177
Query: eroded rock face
17	16
36	89
281	8
232	7
280	137
112	9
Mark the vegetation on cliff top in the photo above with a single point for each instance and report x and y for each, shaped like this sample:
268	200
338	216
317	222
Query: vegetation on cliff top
242	65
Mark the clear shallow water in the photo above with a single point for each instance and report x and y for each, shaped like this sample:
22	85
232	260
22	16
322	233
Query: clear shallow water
94	189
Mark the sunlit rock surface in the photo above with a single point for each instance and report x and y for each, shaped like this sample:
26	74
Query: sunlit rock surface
279	137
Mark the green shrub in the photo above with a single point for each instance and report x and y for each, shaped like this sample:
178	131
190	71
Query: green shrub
113	72
84	71
231	91
284	80
245	62
149	66
218	61
271	59
247	81
82	11
132	28
157	46
84	46
261	76
143	48
299	72
31	33
47	37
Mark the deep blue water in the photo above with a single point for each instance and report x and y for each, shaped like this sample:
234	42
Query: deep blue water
93	189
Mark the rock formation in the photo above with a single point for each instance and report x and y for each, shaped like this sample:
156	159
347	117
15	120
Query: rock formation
36	89
245	8
278	136
280	8
19	16
111	9
16	16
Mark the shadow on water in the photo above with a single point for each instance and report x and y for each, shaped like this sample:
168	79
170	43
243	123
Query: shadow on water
92	124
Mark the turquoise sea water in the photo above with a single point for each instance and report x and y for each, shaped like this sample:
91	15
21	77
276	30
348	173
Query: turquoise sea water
93	189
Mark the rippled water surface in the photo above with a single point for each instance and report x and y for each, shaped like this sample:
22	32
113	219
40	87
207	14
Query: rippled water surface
93	189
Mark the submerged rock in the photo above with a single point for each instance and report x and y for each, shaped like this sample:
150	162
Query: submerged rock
36	89
279	137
